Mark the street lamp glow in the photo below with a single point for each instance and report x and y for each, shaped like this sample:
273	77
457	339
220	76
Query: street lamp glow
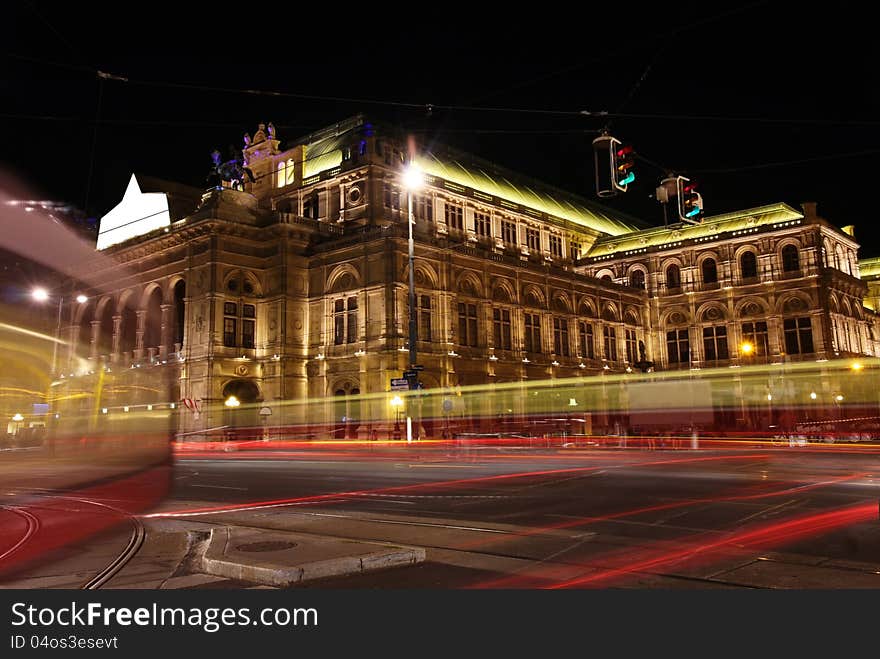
40	294
769	396
838	397
82	299
396	402
856	366
413	178
232	401
747	348
18	417
813	395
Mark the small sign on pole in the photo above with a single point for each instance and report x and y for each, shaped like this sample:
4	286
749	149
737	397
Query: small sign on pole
265	411
399	384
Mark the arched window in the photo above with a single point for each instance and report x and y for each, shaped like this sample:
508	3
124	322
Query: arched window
710	271
179	309
673	276
153	325
637	279
748	265
790	259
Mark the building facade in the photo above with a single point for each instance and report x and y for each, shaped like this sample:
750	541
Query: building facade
293	283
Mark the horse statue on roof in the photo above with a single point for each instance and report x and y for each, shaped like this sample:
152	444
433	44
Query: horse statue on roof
232	172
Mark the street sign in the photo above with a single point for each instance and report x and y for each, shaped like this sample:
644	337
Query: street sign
265	411
410	375
418	367
399	384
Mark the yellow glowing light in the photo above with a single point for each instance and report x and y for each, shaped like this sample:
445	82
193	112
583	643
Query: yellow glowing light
18	417
397	401
232	401
838	397
40	294
856	366
813	395
747	348
82	299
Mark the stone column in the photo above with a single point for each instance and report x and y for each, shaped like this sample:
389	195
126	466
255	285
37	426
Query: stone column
141	327
165	331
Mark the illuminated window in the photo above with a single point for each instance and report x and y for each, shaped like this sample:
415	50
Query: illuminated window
533	333
575	250
501	327
345	320
586	341
678	347
755	333
229	332
352	320
715	343
467	324
560	337
798	336
454	216
556	246
508	232
609	335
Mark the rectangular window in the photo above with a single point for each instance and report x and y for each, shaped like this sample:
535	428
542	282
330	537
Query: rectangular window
715	343
338	322
533	239
631	346
755	334
248	332
467	324
556	246
610	338
575	250
352	322
230	309
586	341
229	332
678	347
391	196
424	318
508	232
501	327
249	311
533	333
560	337
482	225
454	216
798	336
423	208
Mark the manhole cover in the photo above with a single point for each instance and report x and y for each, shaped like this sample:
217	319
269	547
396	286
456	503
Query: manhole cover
268	545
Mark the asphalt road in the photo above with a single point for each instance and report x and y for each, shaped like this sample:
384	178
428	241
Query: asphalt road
489	517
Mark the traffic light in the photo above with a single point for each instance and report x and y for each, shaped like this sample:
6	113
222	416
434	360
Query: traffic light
690	202
624	160
614	162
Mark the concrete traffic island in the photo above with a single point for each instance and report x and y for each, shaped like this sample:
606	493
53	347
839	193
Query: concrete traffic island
278	558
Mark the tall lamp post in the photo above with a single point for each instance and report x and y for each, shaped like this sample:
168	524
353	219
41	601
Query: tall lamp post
42	295
412	180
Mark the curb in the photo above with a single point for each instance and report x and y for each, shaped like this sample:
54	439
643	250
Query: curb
215	562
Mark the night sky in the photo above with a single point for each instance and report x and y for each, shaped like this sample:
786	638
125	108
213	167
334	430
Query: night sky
759	102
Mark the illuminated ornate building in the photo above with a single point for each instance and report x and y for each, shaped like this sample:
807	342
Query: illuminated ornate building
296	285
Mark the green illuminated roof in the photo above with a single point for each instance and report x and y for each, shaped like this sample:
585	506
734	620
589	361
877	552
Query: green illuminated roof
744	221
491	180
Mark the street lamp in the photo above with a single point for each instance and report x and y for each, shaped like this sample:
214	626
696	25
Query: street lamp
397	403
40	294
232	401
